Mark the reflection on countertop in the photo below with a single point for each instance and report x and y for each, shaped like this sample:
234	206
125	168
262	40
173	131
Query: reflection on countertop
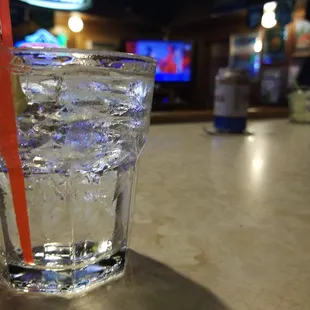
147	285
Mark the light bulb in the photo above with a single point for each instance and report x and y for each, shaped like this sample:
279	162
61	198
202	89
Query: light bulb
75	24
258	46
269	20
270	6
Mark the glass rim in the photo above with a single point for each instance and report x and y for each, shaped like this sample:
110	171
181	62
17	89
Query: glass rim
121	55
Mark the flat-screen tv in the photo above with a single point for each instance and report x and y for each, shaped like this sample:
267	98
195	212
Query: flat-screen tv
174	58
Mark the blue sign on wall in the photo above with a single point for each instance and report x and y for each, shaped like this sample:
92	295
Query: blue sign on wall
41	38
61	4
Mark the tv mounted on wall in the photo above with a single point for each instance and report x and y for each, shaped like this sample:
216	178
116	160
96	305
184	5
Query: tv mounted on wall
174	58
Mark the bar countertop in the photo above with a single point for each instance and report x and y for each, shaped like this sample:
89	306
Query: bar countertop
221	222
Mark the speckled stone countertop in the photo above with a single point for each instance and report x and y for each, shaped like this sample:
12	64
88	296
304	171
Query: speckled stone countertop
221	222
232	213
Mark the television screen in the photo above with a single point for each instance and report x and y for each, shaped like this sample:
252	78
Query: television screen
174	59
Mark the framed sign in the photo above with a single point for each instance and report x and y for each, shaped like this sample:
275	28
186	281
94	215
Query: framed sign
302	31
243	55
271	85
274	45
61	4
241	49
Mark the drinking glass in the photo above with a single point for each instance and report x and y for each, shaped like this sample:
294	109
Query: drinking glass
299	104
83	120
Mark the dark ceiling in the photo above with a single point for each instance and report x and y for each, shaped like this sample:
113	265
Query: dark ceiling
163	12
160	12
157	11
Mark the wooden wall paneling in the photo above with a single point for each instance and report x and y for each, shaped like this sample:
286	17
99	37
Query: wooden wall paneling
201	79
219	58
104	30
300	9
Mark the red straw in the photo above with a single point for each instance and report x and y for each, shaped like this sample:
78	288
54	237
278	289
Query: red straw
8	136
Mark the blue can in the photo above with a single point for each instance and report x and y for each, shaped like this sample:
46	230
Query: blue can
231	101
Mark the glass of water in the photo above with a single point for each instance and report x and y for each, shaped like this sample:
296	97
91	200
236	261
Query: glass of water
299	104
83	120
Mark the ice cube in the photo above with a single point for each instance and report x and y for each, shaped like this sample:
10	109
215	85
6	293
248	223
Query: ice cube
40	89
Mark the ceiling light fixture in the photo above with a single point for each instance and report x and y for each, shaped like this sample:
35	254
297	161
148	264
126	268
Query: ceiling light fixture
258	46
76	24
269	17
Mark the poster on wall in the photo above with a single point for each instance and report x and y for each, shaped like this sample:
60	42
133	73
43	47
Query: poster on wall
302	38
271	85
242	55
274	45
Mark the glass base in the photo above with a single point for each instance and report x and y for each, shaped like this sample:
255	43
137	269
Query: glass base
67	281
225	124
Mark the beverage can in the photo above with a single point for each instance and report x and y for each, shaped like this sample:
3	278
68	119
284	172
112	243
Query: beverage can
231	100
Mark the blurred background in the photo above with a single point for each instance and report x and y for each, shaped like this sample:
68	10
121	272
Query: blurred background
191	40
